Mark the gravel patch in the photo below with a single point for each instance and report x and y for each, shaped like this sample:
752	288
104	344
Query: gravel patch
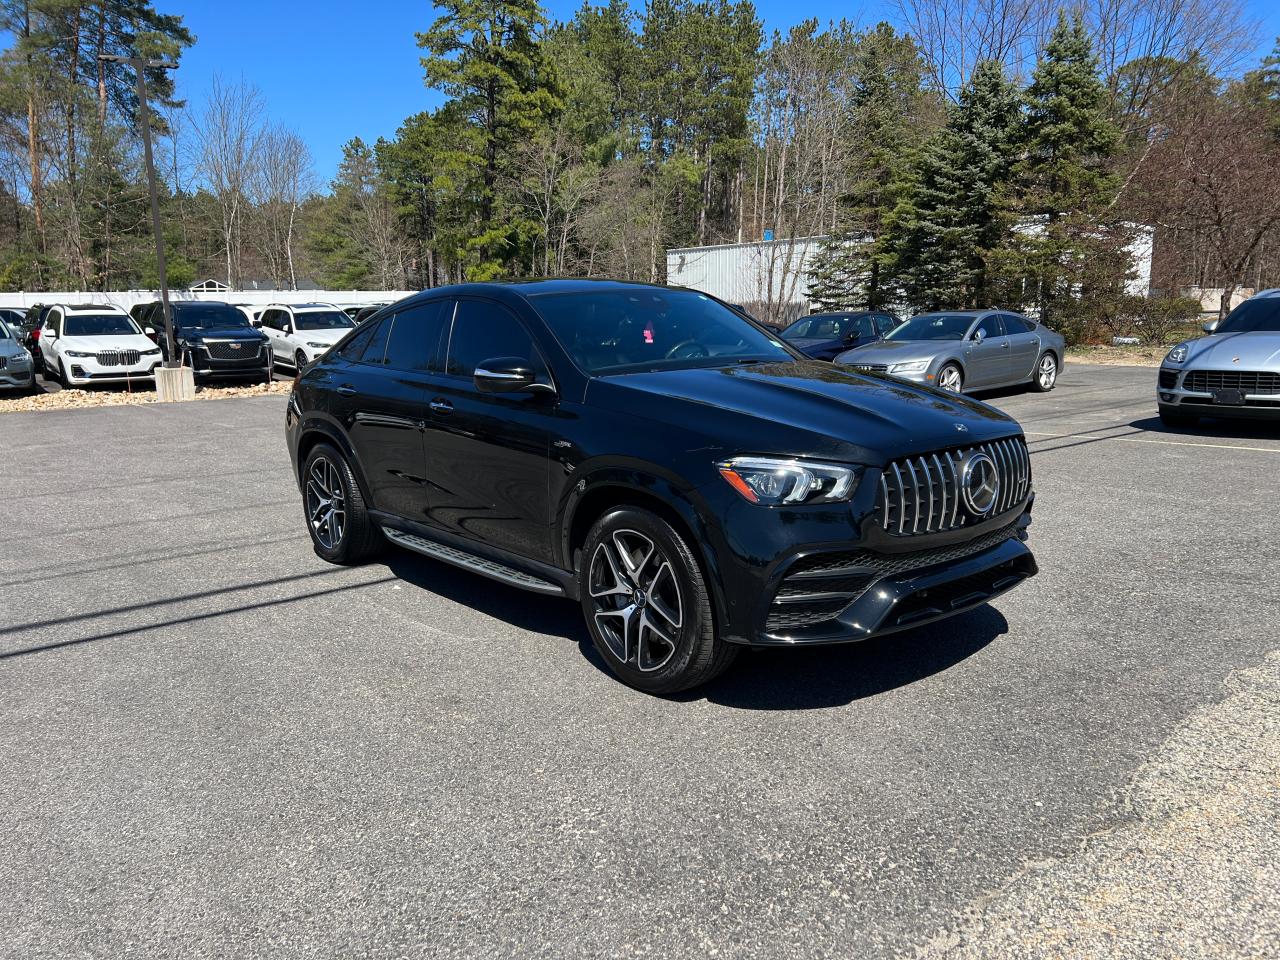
73	398
1119	356
1195	874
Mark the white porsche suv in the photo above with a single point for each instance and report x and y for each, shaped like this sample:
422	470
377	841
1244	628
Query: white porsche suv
300	332
95	343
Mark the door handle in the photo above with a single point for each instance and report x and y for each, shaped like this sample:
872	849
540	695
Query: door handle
1005	345
441	406
347	390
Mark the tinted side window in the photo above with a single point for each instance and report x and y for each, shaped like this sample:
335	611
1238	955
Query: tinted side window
375	350
1014	324
356	345
885	323
482	331
991	326
415	336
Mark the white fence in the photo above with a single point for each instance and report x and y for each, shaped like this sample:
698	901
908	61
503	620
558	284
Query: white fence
127	298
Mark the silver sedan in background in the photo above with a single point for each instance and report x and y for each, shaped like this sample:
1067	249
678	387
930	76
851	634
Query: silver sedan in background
1234	372
16	370
961	350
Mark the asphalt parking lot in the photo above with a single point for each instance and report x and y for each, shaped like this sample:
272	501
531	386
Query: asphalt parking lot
214	744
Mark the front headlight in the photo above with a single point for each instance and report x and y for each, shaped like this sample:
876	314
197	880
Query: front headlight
771	482
318	346
1178	354
909	366
153	352
80	354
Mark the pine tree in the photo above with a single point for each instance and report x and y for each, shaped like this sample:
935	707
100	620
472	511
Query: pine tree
944	224
1064	181
485	55
893	115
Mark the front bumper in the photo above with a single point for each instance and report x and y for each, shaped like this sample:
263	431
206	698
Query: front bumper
1172	397
16	373
207	364
85	370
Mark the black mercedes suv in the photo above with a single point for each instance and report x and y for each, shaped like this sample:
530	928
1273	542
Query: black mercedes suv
214	338
694	482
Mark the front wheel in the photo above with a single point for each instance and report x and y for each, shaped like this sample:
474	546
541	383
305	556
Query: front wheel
299	360
1046	374
63	379
337	518
950	378
646	604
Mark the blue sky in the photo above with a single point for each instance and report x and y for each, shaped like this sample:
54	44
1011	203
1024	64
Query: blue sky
333	71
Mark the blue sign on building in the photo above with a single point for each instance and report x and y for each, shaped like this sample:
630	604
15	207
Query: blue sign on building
768	235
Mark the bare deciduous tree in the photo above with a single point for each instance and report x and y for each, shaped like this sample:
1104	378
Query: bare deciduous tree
281	180
228	132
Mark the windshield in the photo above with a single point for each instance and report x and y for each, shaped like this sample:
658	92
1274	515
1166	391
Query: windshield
208	316
933	326
1253	316
98	325
616	330
829	328
322	320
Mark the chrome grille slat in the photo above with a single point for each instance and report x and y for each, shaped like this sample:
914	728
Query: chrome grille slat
927	486
118	358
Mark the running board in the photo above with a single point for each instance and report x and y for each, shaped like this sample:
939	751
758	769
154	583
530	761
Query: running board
469	561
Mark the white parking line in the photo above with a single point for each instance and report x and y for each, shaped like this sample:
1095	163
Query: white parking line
1167	443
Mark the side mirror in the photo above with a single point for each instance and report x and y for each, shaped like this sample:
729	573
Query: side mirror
1210	327
979	335
150	332
507	375
255	323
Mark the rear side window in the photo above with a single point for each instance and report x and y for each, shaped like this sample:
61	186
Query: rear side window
483	331
369	345
1014	324
415	336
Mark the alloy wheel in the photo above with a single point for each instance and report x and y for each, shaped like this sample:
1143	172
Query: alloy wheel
949	379
636	600
1048	371
326	503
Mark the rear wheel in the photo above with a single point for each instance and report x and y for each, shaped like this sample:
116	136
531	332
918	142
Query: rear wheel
1171	419
646	604
950	378
1046	376
337	518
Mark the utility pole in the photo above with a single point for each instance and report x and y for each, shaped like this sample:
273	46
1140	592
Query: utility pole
170	390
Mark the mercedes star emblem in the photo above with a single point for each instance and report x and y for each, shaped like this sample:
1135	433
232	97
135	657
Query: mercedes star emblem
979	483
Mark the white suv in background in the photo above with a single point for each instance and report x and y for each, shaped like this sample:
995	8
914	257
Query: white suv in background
300	332
94	343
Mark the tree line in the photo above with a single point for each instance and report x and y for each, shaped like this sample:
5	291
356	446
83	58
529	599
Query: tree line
1013	162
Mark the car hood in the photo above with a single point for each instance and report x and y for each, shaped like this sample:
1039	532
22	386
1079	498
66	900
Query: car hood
323	336
134	341
227	333
804	408
11	348
814	343
896	351
1236	351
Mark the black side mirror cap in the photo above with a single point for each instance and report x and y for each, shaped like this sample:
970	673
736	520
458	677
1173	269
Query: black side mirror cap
507	375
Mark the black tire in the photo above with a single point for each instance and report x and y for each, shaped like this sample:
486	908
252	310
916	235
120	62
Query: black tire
944	375
299	360
62	376
666	658
47	374
358	539
1041	374
1178	420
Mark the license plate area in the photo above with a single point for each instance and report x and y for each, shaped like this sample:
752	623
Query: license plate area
1229	398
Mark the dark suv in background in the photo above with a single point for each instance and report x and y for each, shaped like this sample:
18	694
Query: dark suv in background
693	482
215	339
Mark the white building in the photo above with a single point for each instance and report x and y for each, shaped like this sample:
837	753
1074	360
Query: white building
770	278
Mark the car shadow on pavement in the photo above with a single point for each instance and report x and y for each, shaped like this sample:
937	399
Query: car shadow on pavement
1210	428
773	679
831	676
